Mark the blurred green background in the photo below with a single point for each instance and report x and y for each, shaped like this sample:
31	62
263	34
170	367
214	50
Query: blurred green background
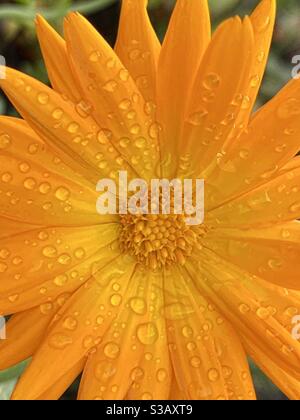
19	47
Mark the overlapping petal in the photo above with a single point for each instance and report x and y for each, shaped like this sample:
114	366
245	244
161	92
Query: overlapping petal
184	45
138	47
78	328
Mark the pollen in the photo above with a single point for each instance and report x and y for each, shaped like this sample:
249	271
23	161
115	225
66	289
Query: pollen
158	241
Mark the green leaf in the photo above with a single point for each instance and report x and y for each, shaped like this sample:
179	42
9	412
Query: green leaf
9	378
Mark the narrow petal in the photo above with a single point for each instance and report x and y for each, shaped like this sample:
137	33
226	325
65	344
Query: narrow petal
184	45
38	266
138	46
275	202
24	333
79	142
262	20
271	253
289	385
274	132
218	95
78	329
151	377
56	60
121	359
38	188
63	383
117	105
259	311
208	359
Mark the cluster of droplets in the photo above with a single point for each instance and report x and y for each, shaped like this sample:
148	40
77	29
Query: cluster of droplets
159	240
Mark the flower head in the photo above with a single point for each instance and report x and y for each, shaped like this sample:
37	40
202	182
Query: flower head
146	306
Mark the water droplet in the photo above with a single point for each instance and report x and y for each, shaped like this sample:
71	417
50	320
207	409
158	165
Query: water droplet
161	375
254	81
147	396
60	280
104	371
243	308
95	56
3	267
62	194
4	253
13	298
46	308
295	208
261	56
195	362
289	108
134	54
79	253
261	22
211	81
116	300
64	259
44	188
138	306
244	154
275	263
208	96
147	333
73	127
5	141
6	177
84	108
140	143
30	183
57	113
263	313
213	375
187	332
124	75
60	341
154	130
135	129
197	118
70	323
49	251
137	374
110	86
24	167
125	104
43	98
111	350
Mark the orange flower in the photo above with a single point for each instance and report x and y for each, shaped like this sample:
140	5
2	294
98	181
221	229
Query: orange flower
148	307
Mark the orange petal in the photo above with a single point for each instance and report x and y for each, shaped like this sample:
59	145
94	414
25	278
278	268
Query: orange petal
79	142
289	385
275	202
138	46
270	141
38	188
56	60
185	42
81	323
271	253
63	383
208	359
218	95
151	377
117	104
259	311
263	20
38	266
24	333
118	362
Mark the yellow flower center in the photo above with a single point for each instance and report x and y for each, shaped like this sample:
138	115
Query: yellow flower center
159	240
